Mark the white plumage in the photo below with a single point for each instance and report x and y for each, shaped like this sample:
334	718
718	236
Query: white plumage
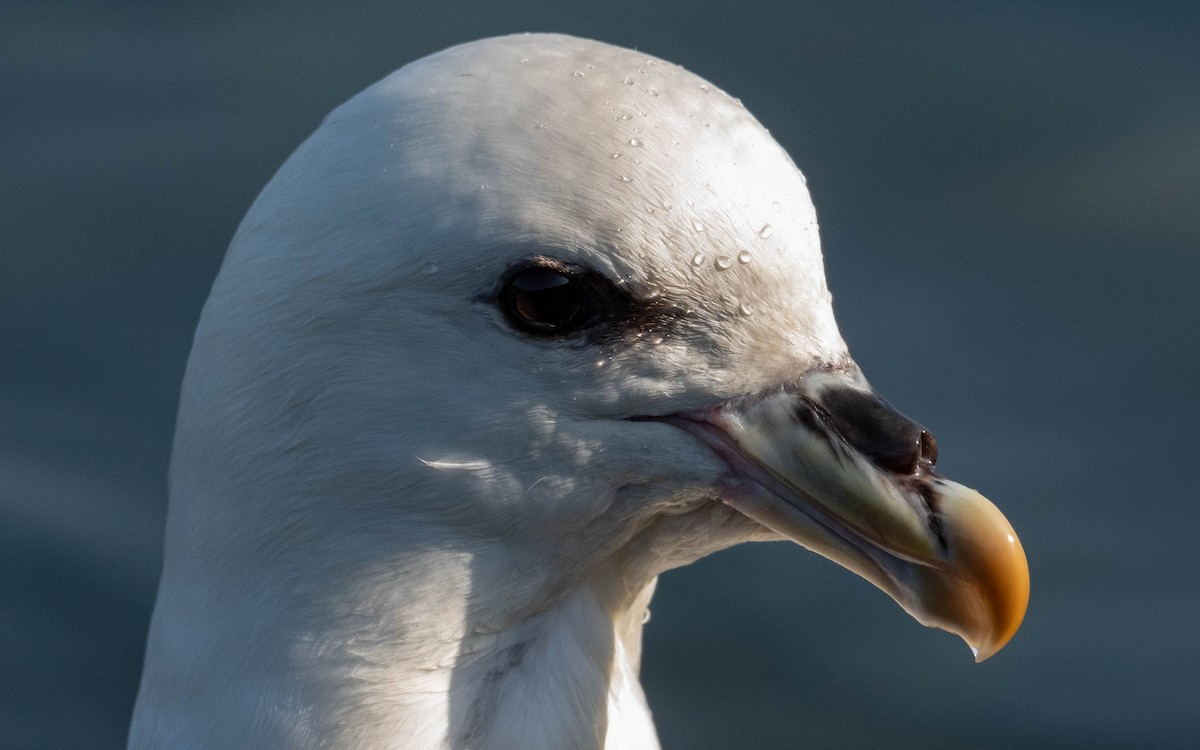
399	519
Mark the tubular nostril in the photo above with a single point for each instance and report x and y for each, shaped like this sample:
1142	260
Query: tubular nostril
870	424
928	448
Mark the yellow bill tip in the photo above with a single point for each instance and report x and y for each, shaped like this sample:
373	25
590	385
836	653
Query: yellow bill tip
987	603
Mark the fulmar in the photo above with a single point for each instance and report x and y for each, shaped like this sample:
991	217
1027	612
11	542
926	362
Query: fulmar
518	328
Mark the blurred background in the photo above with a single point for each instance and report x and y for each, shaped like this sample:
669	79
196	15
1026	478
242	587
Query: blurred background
1009	195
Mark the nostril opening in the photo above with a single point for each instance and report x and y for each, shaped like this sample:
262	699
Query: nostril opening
928	448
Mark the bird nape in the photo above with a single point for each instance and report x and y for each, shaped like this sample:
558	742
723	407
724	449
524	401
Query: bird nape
518	328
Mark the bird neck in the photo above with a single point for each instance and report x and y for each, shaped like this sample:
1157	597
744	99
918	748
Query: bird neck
565	678
378	665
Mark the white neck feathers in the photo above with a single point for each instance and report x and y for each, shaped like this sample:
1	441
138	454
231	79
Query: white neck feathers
562	678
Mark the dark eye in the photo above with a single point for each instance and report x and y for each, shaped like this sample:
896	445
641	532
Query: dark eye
547	300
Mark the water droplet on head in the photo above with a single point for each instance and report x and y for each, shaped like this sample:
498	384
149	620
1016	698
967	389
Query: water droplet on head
697	225
723	262
766	231
704	87
578	74
746	308
654	92
626	116
698	260
429	267
524	60
630	80
775	205
666	204
635	142
589	66
744	257
626	178
541	126
617	155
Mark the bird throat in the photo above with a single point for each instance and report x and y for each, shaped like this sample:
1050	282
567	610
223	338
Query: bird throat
567	677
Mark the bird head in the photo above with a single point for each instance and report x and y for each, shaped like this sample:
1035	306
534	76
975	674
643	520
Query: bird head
557	309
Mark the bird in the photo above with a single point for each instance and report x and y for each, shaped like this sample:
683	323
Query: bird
517	329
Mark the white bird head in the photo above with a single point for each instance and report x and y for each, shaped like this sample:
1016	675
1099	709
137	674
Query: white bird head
530	317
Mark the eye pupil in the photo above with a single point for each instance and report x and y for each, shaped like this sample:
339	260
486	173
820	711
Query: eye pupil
545	300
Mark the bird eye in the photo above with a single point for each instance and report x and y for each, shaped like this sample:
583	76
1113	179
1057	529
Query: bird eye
546	300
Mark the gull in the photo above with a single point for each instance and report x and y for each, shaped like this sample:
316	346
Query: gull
518	328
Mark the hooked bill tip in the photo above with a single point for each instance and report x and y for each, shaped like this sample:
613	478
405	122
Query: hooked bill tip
986	556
